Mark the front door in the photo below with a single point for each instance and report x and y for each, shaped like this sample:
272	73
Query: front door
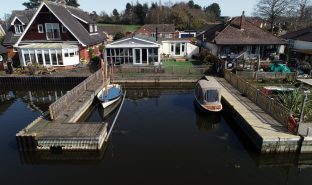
137	56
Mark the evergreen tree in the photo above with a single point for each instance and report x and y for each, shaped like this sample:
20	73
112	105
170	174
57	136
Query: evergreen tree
32	4
73	3
213	10
35	3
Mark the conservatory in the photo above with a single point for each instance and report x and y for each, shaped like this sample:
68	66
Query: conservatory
133	51
51	54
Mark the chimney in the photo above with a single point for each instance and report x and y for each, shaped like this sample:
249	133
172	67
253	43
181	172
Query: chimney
242	21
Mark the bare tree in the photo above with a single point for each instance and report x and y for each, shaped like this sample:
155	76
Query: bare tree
302	5
272	9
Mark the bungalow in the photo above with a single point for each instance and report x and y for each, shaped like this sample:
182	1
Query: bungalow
240	38
178	48
52	35
300	43
161	30
135	50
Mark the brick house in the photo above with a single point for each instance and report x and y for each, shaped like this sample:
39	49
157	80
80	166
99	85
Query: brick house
163	30
52	35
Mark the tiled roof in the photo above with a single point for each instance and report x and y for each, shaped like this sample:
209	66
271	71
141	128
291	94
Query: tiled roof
2	49
160	27
80	14
10	38
303	35
232	34
24	16
73	24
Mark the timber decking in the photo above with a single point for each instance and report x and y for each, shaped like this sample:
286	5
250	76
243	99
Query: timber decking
43	134
63	133
268	135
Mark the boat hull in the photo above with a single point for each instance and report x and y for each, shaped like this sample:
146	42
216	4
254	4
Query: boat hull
209	107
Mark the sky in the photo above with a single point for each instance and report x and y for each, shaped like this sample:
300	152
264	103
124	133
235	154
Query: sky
228	7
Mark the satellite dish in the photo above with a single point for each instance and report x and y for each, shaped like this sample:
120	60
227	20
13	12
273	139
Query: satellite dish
1	58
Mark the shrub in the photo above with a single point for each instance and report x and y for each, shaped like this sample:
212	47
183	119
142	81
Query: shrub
207	58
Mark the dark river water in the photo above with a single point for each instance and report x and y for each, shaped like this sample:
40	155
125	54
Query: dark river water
159	138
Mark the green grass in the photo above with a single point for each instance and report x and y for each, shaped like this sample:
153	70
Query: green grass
125	28
181	64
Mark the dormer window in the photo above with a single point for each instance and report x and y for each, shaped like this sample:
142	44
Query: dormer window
91	28
40	28
18	29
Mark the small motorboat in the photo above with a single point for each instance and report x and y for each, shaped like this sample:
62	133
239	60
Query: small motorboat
109	94
208	95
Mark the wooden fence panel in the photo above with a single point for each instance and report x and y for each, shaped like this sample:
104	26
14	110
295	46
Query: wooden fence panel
71	96
269	105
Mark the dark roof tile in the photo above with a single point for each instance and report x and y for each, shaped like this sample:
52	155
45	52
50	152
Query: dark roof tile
231	34
303	35
160	27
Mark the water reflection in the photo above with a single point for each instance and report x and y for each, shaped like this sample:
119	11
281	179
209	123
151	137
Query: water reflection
36	99
79	157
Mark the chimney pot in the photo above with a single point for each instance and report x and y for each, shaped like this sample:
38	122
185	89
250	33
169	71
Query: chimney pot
242	21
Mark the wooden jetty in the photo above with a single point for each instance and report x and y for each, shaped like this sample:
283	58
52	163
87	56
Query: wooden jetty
267	134
46	135
60	132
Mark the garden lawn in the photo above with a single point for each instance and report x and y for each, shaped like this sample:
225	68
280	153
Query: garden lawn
121	27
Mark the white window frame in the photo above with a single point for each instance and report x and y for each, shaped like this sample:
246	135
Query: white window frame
54	25
18	29
91	28
95	28
40	28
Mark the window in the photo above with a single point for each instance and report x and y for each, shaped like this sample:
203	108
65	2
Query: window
53	31
71	53
59	57
291	43
64	30
91	28
154	35
53	57
40	28
18	29
39	57
66	53
26	57
172	48
167	35
95	28
178	49
182	47
47	57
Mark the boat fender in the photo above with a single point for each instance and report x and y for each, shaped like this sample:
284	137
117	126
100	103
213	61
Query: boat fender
292	124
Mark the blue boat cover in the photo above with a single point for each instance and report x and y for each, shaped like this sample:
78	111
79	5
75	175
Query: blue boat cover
113	93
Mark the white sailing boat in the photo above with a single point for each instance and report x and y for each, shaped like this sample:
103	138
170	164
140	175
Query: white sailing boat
111	92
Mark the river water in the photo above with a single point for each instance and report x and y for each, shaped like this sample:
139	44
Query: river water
159	138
